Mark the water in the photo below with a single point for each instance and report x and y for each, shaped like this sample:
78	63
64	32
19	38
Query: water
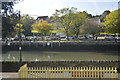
58	56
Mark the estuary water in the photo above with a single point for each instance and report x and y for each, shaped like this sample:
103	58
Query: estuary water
59	56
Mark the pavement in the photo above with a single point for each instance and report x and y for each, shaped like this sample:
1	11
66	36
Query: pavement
9	75
15	75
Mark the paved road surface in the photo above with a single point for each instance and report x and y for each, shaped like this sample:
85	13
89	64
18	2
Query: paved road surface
9	75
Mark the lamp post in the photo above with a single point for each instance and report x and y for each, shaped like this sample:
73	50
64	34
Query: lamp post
20	48
119	5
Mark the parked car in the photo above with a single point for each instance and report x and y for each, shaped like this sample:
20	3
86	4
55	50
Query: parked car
0	39
55	38
101	37
39	38
63	38
89	36
81	37
47	38
117	37
109	37
29	38
70	37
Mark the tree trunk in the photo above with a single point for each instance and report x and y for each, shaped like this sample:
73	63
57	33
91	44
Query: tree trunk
77	35
93	35
67	37
77	31
67	34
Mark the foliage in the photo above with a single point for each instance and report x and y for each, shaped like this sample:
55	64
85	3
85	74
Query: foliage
9	18
91	27
7	7
63	19
42	27
18	28
27	21
112	22
77	20
68	20
104	14
8	24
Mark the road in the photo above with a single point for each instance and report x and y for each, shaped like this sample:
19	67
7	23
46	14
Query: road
9	75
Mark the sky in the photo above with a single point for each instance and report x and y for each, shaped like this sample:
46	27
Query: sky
47	7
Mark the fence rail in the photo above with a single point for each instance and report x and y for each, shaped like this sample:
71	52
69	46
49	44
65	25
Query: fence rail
67	72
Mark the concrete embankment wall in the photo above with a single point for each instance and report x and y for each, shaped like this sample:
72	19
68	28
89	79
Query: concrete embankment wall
69	46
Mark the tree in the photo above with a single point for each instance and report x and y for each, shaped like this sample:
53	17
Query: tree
112	22
8	24
63	19
18	28
77	21
9	18
42	27
91	27
27	21
68	20
7	7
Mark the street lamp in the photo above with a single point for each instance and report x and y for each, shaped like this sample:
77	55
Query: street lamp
20	27
119	5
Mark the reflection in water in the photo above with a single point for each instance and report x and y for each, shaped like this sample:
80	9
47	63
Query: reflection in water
35	59
0	57
48	57
58	56
13	58
8	56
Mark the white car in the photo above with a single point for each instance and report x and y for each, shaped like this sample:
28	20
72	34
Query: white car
117	37
0	39
89	36
109	37
63	38
70	37
81	37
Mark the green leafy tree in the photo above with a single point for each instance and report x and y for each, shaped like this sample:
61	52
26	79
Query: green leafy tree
26	22
63	19
9	18
91	27
112	22
18	28
104	14
68	20
8	24
42	27
77	21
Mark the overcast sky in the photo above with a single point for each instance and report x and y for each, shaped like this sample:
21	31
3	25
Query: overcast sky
47	7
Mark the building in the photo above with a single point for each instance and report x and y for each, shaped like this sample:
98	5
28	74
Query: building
27	71
95	19
43	18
